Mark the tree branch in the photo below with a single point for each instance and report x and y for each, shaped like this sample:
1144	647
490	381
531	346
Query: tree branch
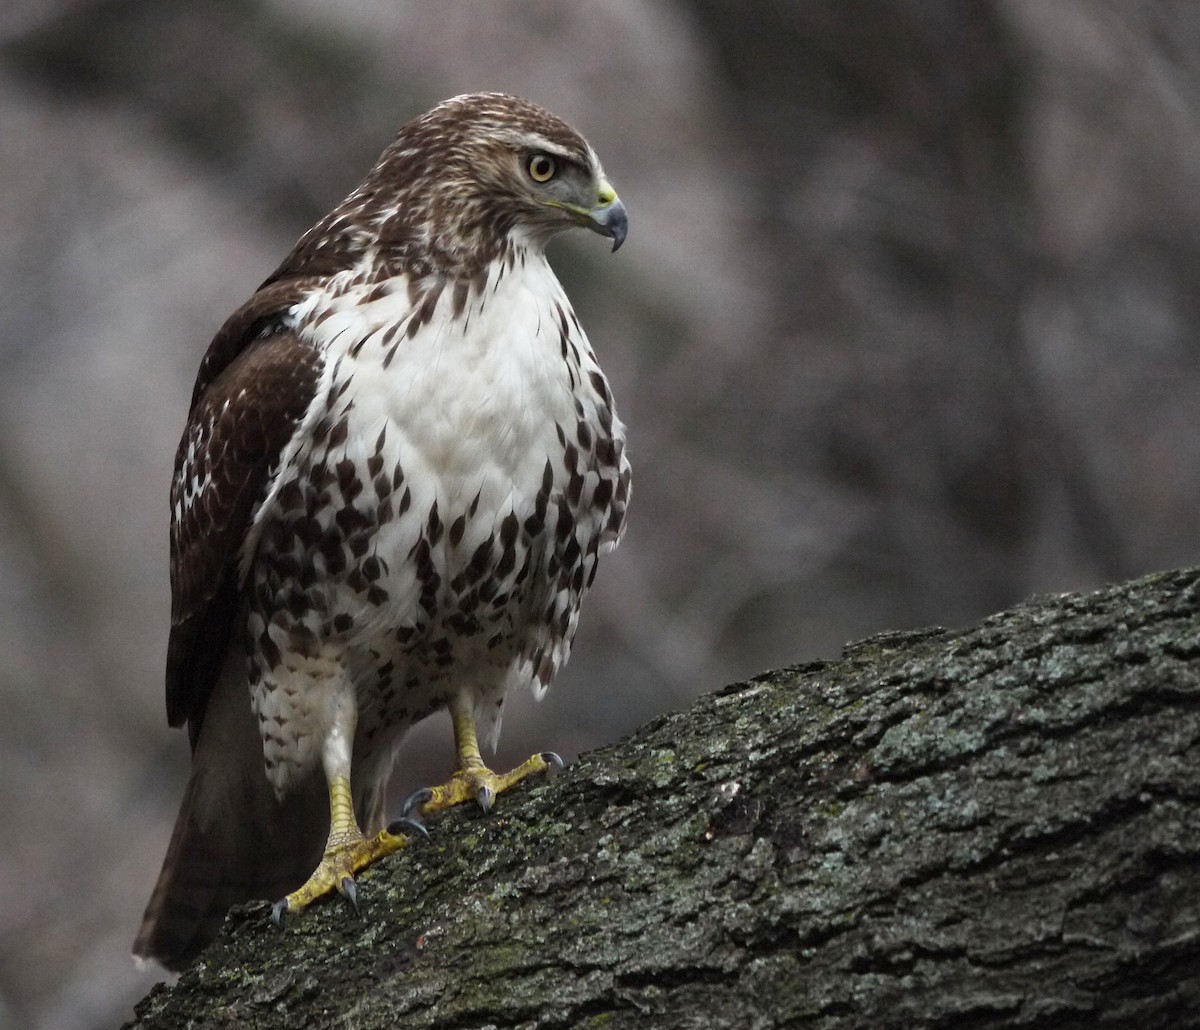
994	827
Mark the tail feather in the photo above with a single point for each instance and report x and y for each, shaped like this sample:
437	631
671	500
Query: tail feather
234	840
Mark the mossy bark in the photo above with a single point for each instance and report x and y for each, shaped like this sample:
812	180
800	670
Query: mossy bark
993	827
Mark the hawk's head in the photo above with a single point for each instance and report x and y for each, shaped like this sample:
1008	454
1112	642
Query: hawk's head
460	186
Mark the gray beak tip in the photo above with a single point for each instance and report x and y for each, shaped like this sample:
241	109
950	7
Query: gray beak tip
613	222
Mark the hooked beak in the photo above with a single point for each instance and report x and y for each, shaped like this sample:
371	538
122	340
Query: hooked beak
608	217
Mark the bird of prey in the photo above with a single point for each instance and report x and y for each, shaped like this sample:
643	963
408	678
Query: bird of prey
400	467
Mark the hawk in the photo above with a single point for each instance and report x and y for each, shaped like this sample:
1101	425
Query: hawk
400	468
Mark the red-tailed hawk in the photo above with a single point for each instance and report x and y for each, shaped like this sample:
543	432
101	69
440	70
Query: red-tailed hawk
400	467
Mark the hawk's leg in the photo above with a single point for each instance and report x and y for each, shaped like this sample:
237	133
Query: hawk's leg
473	780
347	851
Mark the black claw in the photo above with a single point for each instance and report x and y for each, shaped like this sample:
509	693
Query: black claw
554	764
407	825
278	910
486	797
349	891
415	800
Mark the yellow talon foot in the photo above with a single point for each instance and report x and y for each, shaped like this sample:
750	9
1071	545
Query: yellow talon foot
345	856
478	783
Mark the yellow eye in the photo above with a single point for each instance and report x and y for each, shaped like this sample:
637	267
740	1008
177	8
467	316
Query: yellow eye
542	168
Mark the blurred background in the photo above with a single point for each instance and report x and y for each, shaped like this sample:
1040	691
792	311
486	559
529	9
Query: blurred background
905	330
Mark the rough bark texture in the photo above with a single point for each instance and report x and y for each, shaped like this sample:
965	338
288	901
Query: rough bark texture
993	827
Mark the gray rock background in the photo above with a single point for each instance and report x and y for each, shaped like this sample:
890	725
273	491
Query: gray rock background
904	331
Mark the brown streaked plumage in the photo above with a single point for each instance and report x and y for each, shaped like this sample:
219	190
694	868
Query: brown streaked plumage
399	470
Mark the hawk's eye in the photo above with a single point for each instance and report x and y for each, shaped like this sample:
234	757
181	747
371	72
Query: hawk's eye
542	168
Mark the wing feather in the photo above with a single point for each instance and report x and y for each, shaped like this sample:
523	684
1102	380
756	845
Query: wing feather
254	387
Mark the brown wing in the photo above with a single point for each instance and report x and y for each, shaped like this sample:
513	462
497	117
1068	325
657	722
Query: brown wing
254	387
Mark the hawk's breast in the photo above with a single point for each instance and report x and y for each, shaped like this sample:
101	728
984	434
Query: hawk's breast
442	514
